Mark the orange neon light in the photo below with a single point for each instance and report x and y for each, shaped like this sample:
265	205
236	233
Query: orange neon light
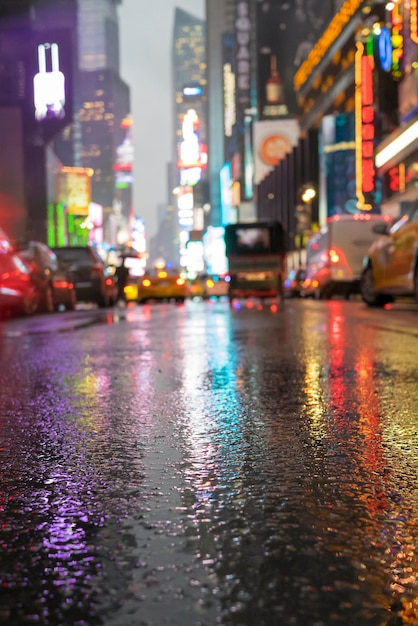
413	20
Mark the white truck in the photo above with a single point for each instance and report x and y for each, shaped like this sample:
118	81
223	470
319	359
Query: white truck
334	255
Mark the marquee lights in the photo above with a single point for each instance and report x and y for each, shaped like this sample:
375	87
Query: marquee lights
335	28
413	20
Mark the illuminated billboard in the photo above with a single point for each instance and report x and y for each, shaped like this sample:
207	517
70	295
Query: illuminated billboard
74	189
193	156
273	140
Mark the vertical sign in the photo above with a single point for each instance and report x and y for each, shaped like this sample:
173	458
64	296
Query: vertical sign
365	131
243	52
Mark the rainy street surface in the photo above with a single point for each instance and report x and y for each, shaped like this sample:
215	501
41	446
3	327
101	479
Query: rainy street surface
202	465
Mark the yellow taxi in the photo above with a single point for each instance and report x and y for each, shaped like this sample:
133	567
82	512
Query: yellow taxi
162	284
131	289
390	269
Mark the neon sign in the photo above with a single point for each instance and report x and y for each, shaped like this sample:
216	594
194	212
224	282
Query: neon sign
384	46
364	109
413	20
397	40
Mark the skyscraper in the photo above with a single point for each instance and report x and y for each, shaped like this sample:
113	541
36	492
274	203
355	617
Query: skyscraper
189	160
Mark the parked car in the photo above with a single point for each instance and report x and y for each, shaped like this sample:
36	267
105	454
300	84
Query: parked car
92	279
293	283
334	256
206	286
162	284
391	265
54	287
18	294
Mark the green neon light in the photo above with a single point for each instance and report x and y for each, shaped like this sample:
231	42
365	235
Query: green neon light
51	225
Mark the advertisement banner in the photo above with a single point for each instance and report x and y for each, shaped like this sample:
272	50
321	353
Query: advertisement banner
286	33
272	141
74	189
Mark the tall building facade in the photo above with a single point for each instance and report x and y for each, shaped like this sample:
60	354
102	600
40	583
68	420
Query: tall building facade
102	105
189	150
35	38
83	130
220	16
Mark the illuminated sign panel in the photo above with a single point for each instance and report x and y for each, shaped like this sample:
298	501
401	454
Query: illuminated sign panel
74	189
230	117
191	152
365	132
49	84
397	39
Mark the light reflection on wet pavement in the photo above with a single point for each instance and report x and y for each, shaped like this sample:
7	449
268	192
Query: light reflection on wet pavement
202	465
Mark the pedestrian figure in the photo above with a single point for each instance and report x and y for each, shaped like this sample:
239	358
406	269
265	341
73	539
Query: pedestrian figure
122	274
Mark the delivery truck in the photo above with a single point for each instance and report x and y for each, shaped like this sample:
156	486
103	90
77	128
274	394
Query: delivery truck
256	254
334	255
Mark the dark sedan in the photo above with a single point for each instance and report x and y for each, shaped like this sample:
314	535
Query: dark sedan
92	279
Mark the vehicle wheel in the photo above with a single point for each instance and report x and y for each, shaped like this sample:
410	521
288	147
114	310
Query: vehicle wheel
72	302
30	304
102	302
368	290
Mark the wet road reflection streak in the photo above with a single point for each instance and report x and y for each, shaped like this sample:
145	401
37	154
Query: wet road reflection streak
195	464
356	428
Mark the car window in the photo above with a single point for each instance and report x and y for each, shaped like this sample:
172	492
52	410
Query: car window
72	255
414	215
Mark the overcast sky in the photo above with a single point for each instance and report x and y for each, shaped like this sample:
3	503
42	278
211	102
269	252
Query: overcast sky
146	29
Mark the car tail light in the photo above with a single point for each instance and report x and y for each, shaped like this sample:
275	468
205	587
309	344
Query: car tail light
334	256
146	282
62	284
180	281
109	282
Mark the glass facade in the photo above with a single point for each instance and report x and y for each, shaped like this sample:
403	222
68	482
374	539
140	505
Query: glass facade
98	35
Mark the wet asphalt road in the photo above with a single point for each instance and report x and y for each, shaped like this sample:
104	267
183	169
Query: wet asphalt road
200	465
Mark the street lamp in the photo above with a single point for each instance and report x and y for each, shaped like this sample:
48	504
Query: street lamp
304	215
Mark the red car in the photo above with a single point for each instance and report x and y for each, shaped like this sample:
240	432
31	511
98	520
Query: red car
18	293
